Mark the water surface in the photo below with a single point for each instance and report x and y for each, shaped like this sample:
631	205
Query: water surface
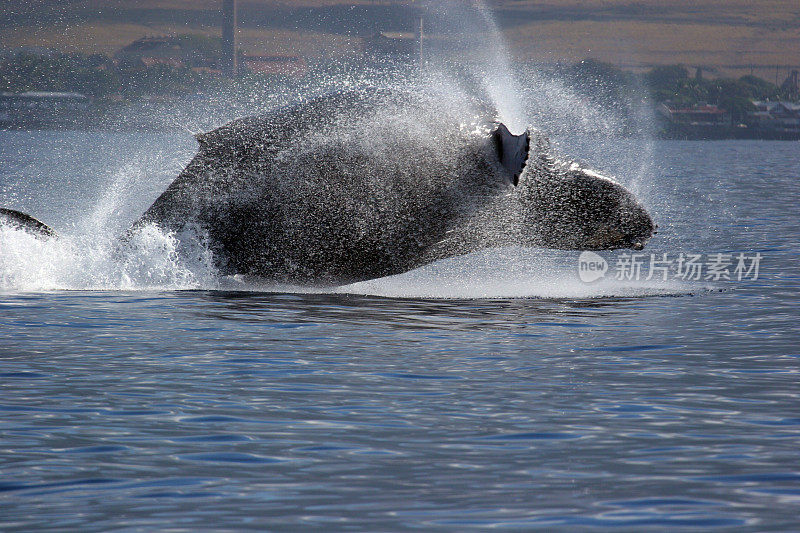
496	390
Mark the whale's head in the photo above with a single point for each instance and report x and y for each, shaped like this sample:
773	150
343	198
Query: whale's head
568	207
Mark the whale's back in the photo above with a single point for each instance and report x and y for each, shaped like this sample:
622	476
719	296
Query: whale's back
344	187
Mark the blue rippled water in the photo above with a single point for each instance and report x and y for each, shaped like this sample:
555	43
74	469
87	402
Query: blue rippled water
492	391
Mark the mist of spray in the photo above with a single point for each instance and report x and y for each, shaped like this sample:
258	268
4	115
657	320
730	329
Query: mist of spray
464	40
89	257
498	77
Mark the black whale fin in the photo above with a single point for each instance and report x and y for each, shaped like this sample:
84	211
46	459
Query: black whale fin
19	220
512	150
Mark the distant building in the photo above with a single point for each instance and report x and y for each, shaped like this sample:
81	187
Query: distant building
290	66
701	121
778	116
697	115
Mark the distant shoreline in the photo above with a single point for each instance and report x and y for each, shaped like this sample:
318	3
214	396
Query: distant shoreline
733	38
704	134
727	133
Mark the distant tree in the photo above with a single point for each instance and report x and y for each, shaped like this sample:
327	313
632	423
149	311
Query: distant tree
666	77
689	91
593	70
603	82
97	83
726	89
74	72
200	50
738	107
158	79
674	84
761	89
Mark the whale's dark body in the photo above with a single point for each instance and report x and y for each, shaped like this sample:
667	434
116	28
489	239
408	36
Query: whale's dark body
363	184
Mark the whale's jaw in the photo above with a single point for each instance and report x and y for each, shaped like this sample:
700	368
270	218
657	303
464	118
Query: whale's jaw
637	230
568	207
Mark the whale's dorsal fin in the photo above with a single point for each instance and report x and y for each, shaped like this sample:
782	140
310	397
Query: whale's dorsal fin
512	150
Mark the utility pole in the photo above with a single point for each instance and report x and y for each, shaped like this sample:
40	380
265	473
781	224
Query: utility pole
420	27
229	60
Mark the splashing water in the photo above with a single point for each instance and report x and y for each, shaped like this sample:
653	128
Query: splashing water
498	78
511	273
90	257
499	273
152	260
472	28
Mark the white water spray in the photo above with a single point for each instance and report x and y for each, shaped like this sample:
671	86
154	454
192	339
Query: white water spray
89	257
498	77
468	37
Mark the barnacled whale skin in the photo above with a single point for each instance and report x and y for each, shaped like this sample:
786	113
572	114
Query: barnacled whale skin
367	183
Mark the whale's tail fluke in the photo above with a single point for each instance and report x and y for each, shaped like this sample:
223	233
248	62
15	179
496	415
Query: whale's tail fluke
16	219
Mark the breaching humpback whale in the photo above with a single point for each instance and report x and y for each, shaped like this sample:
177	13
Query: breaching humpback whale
367	183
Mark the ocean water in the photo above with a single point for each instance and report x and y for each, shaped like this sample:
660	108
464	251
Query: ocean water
493	390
